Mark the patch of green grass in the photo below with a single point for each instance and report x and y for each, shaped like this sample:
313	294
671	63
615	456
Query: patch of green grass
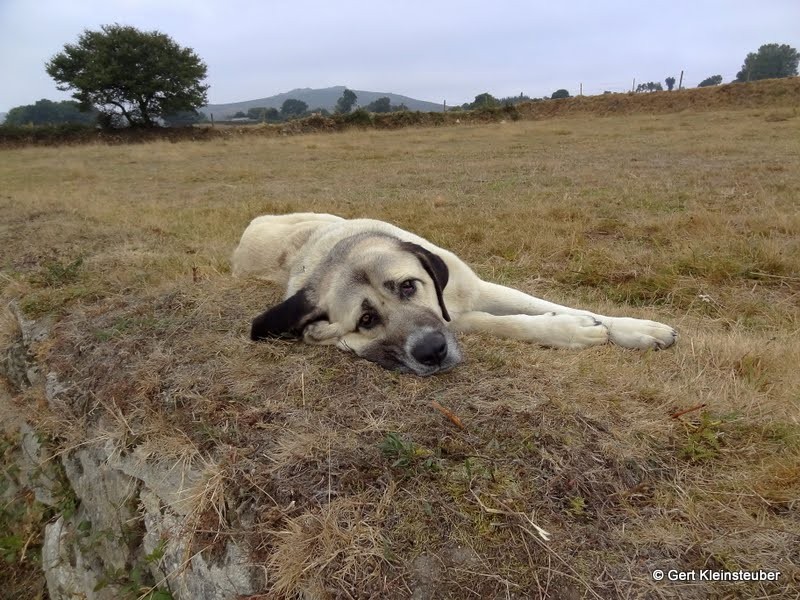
57	273
405	454
577	505
129	325
702	439
55	300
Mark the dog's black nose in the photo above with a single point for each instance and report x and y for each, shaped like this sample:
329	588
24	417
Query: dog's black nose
431	349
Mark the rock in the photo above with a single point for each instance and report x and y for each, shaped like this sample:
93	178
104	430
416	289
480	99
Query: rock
191	575
36	468
18	365
127	519
69	571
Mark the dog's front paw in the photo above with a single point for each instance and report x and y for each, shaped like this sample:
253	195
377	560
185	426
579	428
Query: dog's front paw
640	334
573	331
321	332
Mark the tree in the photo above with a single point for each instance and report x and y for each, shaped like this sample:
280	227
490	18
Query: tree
650	86
130	76
184	118
514	99
381	105
345	104
257	114
670	81
771	61
709	81
485	100
47	112
562	93
293	108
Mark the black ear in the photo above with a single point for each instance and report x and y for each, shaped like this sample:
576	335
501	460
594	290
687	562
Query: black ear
435	267
287	319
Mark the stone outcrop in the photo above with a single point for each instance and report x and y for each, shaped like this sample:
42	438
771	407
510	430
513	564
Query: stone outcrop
125	520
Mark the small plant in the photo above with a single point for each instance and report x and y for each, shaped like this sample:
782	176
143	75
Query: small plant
407	454
157	554
57	273
702	439
395	448
136	583
577	506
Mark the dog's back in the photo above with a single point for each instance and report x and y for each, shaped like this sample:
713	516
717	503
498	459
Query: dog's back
270	243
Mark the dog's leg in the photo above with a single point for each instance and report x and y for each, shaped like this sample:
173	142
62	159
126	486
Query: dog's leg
555	330
623	331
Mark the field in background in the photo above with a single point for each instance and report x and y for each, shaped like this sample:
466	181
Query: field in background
760	95
351	483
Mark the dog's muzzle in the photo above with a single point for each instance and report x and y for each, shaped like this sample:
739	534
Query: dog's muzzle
431	350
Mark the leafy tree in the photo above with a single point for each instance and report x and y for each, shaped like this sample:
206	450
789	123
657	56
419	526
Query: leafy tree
345	104
239	114
381	105
184	118
262	113
293	108
771	61
562	93
650	86
257	114
485	100
514	99
47	112
670	81
130	75
709	81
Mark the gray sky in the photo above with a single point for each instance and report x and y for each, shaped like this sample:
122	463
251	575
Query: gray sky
434	50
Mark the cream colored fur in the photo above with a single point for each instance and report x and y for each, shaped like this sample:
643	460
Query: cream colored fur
287	249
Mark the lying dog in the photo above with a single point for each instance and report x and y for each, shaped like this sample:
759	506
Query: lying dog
395	299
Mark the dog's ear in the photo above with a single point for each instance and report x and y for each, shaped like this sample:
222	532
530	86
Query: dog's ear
287	319
435	267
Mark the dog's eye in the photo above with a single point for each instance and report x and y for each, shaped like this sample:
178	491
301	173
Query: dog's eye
368	320
408	288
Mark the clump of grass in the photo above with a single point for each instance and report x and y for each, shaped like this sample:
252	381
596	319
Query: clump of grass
406	454
59	273
703	439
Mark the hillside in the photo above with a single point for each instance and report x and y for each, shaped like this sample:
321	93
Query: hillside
778	95
316	98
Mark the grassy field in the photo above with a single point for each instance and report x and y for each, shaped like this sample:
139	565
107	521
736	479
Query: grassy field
340	476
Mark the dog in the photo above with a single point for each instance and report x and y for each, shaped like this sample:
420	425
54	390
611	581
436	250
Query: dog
398	300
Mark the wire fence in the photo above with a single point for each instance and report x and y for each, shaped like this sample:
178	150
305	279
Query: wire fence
690	80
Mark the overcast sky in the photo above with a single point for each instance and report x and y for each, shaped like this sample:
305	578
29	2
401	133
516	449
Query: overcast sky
434	50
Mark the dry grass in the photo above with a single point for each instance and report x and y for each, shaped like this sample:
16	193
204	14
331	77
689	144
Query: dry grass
342	478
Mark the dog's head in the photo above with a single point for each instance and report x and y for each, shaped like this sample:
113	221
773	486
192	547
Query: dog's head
378	297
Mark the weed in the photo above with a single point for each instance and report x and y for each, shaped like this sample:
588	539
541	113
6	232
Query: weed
57	273
406	454
702	439
577	506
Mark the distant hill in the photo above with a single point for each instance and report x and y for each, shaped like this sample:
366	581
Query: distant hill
322	98
2	117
